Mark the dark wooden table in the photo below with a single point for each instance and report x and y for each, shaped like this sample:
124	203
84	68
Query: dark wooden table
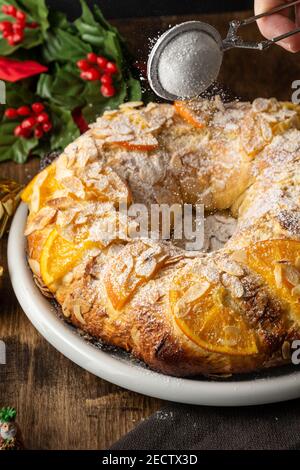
61	406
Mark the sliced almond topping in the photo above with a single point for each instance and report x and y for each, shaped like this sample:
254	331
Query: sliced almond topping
296	291
35	197
77	313
61	202
131	104
196	292
34	266
292	275
266	130
234	285
260	105
145	268
278	275
40	220
211	273
230	266
240	256
193	294
74	185
176	162
66	312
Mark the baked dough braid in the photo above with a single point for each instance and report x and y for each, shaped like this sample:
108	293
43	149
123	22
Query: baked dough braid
233	310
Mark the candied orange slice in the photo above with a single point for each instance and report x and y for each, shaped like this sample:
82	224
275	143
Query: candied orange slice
59	256
278	263
200	311
47	188
186	110
133	267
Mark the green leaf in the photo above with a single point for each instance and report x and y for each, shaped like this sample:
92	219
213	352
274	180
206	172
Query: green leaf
64	128
58	19
14	148
87	24
37	11
63	46
18	93
134	91
96	104
64	89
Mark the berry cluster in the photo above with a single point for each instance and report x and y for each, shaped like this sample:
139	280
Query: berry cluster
13	32
35	120
99	68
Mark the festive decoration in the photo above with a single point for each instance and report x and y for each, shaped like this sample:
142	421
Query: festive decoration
15	70
37	121
10	434
79	70
14	32
99	68
10	192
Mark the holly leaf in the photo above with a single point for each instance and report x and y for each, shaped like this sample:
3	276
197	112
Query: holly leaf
37	11
14	148
64	89
64	129
63	46
95	30
19	93
87	25
59	20
96	104
134	90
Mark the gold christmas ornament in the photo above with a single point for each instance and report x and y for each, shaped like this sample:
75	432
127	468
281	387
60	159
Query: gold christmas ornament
10	192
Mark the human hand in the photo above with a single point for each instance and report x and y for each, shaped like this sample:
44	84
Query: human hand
279	23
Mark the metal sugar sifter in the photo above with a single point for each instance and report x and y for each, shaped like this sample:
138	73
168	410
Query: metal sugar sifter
187	58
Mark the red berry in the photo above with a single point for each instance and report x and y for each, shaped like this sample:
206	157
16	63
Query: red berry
11	113
108	91
9	10
111	67
102	61
19	132
47	127
37	108
17	28
42	118
106	79
24	111
11	40
7	34
83	75
83	64
92	74
17	38
21	16
92	57
28	123
6	26
38	132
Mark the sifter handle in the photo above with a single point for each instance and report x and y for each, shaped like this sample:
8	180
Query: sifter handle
253	19
233	40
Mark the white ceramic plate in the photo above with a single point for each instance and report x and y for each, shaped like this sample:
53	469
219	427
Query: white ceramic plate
266	387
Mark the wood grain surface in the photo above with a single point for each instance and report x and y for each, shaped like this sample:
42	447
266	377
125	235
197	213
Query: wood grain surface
61	406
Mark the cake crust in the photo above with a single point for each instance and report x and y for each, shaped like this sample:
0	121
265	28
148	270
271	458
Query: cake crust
234	310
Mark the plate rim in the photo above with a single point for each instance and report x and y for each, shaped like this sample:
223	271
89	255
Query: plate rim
123	373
